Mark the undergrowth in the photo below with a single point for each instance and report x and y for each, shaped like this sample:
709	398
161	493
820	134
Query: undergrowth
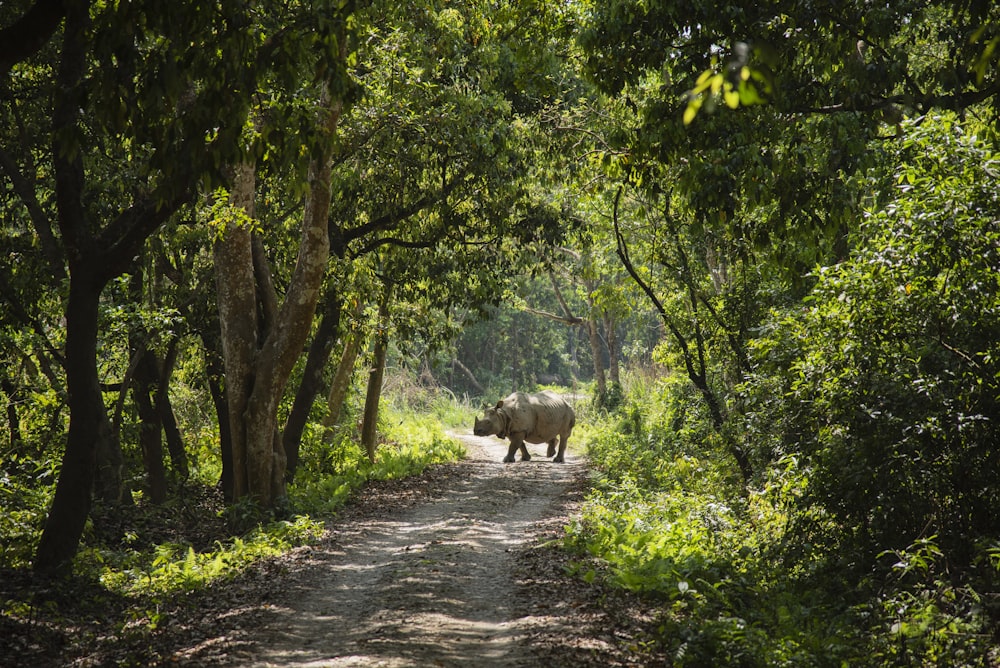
145	552
410	442
758	577
167	568
330	473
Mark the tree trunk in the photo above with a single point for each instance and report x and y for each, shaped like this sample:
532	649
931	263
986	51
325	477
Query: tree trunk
694	360
342	380
256	377
468	373
597	352
109	481
312	380
237	302
610	330
596	349
150	431
175	442
71	504
96	254
515	361
161	401
216	371
13	419
88	422
369	422
143	380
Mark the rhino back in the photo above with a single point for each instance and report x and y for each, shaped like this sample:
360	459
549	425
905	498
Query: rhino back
544	415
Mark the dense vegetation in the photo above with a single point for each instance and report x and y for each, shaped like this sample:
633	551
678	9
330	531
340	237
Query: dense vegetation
765	238
871	538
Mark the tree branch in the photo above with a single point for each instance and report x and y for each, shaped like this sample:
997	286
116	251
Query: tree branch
393	241
28	34
566	319
125	236
43	226
267	295
623	254
561	299
18	310
390	220
738	350
954	102
464	369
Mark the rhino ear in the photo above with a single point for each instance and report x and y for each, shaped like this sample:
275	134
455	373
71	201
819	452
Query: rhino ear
499	404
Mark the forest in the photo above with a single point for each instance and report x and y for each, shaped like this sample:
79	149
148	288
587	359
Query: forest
256	257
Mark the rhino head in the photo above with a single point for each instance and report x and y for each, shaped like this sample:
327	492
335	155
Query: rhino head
490	423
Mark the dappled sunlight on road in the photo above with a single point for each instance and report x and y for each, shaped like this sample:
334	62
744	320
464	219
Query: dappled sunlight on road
431	586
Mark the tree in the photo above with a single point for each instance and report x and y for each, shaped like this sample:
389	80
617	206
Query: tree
376	372
29	33
257	373
829	82
165	118
598	325
686	322
320	349
160	113
434	159
340	383
803	57
754	198
890	371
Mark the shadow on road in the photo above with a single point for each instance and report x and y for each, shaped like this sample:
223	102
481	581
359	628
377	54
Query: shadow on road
432	586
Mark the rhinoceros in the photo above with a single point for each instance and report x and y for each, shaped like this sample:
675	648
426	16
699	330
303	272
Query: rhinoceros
544	417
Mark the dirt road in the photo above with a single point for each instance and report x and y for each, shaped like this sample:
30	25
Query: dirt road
436	584
458	566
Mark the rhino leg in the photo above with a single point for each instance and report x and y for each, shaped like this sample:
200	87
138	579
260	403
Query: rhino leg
562	449
515	443
552	448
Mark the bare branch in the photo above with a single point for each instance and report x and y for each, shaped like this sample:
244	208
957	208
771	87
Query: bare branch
561	299
566	319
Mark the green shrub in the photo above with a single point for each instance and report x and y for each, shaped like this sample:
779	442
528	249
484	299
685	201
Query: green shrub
870	536
172	567
25	497
717	564
894	398
662	438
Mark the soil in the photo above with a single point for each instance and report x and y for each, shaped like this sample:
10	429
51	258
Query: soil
458	566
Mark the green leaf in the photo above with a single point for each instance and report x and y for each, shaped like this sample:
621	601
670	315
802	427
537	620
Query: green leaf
693	105
732	98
